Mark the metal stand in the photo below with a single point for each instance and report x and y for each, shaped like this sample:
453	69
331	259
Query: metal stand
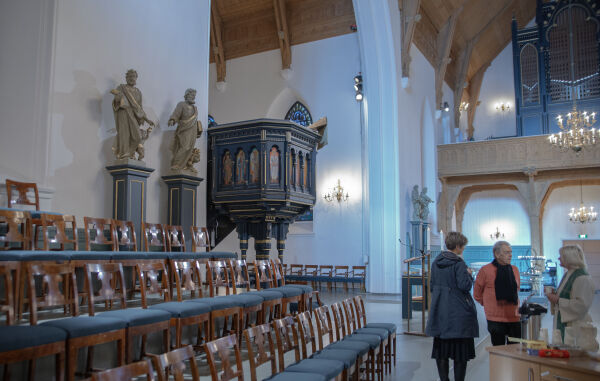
424	300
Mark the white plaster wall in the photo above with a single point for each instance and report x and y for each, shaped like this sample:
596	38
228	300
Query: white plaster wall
498	86
322	79
26	44
502	208
96	42
556	226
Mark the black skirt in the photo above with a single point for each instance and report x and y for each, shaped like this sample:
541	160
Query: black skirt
456	349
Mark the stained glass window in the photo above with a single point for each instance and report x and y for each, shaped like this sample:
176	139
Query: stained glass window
211	121
299	113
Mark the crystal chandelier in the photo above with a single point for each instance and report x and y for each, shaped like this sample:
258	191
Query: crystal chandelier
578	133
582	214
337	193
497	235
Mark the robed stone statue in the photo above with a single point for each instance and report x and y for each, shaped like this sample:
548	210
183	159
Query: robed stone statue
189	128
129	116
420	204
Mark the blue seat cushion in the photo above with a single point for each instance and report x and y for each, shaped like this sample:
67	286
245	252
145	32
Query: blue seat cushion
381	332
348	357
217	303
222	255
181	255
372	340
360	347
86	325
327	368
294	376
389	326
135	317
37	255
248	300
182	310
294	306
267	294
26	336
91	255
288	292
305	289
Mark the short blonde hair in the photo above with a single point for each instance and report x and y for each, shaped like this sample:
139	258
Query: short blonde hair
572	256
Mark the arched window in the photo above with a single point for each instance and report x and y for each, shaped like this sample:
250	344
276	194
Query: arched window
530	83
582	79
211	121
299	113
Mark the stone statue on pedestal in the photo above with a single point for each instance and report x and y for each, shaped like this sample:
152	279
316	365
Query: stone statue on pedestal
129	116
420	204
189	128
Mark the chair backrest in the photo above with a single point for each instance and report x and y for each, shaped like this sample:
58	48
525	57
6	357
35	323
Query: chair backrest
174	363
127	372
175	238
312	270
222	348
99	226
306	332
326	270
278	274
217	275
296	269
61	223
350	315
359	271
110	281
200	238
286	335
57	285
240	276
341	271
361	314
154	236
339	321
22	198
324	326
187	277
7	303
264	273
257	340
17	230
154	280
125	236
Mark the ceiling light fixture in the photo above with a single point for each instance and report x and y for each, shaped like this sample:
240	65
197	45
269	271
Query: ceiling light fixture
582	214
358	87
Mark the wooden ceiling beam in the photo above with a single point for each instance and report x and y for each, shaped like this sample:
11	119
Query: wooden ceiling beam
283	33
409	17
474	88
443	44
216	41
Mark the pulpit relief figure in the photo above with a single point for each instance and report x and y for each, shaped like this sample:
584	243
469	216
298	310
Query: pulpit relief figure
129	117
189	128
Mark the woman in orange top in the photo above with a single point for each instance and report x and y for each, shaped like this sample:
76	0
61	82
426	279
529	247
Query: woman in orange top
496	289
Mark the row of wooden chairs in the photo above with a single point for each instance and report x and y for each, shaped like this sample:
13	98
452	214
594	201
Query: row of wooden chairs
329	274
60	231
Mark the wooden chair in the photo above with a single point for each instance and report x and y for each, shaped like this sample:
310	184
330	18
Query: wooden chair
286	335
174	363
278	274
125	236
307	336
200	238
296	269
19	343
222	348
341	272
327	272
153	280
100	226
240	277
361	315
60	238
127	372
313	271
22	198
17	234
175	238
60	290
217	275
186	273
308	292
259	338
360	272
154	237
139	322
264	276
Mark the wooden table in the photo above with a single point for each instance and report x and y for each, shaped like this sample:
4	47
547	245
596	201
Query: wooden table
511	363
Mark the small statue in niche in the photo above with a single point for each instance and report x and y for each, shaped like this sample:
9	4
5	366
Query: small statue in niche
129	116
189	128
420	204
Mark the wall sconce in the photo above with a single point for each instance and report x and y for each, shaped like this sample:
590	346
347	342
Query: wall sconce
358	87
337	193
502	107
445	107
463	106
496	235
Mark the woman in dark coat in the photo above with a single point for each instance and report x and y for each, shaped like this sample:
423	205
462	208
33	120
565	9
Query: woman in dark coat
452	318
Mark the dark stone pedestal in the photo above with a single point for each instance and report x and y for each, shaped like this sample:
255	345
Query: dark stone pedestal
181	205
419	237
129	194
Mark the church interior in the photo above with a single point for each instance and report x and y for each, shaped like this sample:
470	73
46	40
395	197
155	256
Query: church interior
213	185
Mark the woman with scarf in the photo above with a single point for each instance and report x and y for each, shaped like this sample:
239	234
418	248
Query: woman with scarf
452	318
496	289
575	294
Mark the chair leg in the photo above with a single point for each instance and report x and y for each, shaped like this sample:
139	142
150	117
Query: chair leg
90	361
60	366
31	365
6	373
178	333
71	363
121	351
166	340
